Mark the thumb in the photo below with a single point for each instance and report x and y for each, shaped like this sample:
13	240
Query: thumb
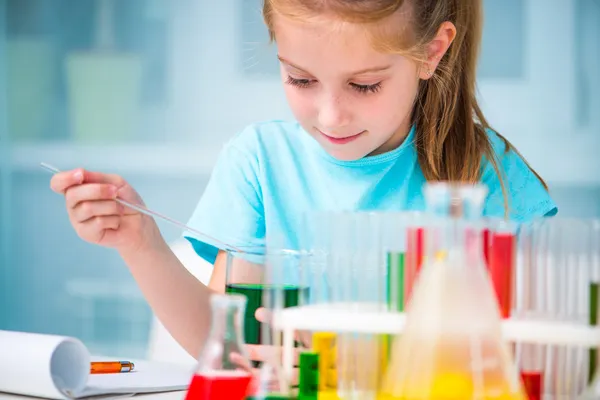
263	315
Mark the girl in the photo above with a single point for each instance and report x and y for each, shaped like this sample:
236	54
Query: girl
383	92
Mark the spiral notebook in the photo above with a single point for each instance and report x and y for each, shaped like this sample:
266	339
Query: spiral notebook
58	367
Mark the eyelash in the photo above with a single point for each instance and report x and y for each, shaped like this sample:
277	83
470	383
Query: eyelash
304	83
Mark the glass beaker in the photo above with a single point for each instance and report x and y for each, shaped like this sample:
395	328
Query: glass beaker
451	346
271	278
286	283
244	275
223	366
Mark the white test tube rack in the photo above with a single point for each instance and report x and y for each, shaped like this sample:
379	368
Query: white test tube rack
368	318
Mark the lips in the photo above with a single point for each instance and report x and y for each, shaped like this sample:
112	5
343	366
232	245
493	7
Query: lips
341	140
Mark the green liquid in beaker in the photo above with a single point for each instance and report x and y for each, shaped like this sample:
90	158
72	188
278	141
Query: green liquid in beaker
290	297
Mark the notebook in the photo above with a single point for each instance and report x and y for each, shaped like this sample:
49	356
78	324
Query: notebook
58	367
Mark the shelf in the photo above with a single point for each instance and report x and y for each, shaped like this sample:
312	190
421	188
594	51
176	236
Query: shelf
365	318
155	159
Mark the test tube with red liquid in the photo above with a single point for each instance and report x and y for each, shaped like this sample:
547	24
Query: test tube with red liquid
485	241
222	372
415	249
502	258
531	367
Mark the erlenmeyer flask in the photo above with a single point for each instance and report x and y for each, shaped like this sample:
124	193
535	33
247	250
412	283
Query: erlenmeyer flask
451	346
223	369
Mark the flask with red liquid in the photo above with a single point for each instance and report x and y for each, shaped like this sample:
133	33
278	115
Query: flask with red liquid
223	369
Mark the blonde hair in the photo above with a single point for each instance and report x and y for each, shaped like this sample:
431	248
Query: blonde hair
451	128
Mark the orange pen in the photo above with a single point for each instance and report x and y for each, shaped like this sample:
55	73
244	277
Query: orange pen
110	367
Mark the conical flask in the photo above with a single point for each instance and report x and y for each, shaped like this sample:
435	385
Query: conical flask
223	369
451	347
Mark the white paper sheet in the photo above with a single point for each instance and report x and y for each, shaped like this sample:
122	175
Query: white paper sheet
57	367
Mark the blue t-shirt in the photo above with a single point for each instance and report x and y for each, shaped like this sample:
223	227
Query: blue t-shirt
270	174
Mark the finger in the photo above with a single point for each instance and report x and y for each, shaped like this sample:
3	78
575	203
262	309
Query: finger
266	353
90	209
267	381
87	192
295	378
240	361
61	181
304	338
95	228
124	190
262	315
99	177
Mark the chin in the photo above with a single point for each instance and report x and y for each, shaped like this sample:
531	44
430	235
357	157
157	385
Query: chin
345	154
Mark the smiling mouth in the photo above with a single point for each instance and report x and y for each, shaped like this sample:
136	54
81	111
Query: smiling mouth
343	140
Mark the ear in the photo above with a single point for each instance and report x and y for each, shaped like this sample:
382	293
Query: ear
437	48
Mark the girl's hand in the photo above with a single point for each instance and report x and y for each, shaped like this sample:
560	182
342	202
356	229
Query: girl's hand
96	216
268	353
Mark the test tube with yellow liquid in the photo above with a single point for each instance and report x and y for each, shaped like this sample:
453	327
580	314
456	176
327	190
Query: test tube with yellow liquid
451	347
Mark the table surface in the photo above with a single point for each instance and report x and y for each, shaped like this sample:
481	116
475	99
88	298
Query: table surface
176	395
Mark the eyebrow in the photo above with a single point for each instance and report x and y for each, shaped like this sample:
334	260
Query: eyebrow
359	72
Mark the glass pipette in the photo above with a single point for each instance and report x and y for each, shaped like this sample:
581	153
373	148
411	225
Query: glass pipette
151	213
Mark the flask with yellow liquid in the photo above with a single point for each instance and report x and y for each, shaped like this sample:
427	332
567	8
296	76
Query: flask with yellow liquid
451	347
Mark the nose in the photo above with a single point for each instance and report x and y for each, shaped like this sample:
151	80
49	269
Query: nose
334	113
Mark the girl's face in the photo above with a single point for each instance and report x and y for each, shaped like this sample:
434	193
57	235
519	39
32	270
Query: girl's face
353	100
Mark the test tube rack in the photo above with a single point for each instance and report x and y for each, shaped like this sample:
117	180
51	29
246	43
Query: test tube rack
367	318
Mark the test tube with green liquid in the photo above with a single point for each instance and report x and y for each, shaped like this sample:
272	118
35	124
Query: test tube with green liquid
593	320
395	280
594	255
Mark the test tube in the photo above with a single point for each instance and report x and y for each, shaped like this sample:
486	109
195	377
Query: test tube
531	370
531	357
593	388
502	253
485	241
415	251
316	238
563	261
359	248
395	247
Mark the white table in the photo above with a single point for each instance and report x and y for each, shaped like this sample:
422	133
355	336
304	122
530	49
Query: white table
177	395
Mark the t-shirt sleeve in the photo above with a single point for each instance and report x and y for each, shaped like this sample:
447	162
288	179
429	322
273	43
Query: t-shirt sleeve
527	196
231	208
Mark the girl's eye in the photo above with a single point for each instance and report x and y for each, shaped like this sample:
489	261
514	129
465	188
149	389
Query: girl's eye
302	83
374	88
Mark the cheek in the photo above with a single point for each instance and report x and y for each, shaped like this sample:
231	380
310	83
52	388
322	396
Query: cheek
301	105
397	101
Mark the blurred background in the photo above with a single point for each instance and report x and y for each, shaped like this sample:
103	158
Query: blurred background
151	89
